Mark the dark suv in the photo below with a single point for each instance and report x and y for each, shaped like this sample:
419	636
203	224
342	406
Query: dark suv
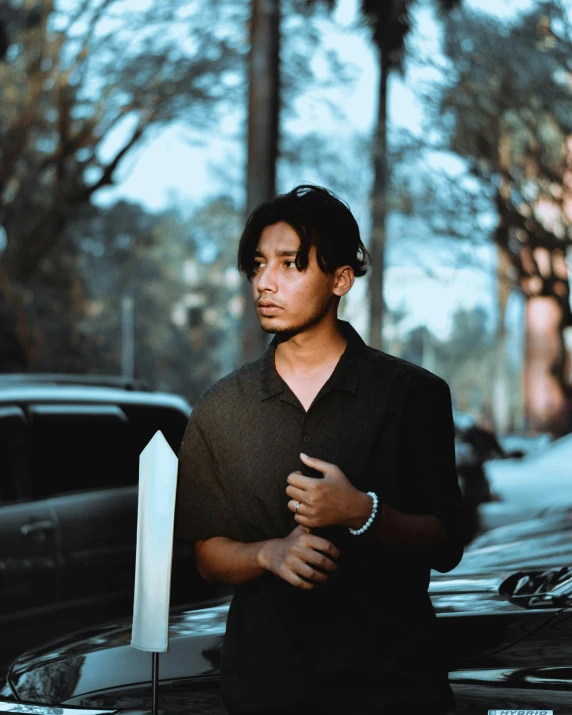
69	468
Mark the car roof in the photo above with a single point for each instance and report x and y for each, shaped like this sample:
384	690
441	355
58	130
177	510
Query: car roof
56	378
43	390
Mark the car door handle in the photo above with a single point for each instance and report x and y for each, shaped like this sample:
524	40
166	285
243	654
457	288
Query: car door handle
43	525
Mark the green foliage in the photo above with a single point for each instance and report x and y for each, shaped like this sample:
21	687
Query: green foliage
505	107
508	96
82	85
77	77
466	360
183	309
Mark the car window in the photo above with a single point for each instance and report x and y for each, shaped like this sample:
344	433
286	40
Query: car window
78	448
146	420
72	451
13	456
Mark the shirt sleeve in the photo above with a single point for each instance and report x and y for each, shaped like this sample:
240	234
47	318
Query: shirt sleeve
427	481
202	508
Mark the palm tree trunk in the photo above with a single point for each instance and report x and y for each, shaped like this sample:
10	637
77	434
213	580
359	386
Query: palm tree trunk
263	119
378	210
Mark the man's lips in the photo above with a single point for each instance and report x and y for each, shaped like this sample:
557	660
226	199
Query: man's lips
266	307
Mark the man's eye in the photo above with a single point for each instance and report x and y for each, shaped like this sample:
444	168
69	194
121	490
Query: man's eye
290	264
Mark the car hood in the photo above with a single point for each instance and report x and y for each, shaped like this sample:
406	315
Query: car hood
540	526
101	658
469	593
540	552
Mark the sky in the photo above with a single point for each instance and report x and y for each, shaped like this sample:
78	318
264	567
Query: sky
167	170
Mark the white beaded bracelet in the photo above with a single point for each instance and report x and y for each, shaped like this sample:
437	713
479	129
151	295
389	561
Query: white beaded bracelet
369	522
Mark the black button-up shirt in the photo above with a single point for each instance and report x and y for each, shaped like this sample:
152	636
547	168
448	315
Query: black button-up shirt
367	638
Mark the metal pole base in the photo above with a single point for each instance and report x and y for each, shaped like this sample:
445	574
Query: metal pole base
155	684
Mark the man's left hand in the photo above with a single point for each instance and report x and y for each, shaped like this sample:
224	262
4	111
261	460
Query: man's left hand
330	501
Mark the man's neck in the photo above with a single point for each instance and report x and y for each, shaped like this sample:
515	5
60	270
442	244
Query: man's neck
312	351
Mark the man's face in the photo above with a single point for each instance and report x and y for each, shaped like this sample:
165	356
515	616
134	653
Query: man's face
288	300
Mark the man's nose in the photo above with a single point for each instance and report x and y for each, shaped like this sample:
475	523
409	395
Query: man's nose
267	279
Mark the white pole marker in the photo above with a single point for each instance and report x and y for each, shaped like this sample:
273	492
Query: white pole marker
153	560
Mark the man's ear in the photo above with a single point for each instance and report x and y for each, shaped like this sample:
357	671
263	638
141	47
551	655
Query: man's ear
344	280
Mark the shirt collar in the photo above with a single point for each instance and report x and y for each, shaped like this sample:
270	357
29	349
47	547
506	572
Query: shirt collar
345	376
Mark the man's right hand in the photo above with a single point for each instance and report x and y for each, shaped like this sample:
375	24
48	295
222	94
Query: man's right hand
297	558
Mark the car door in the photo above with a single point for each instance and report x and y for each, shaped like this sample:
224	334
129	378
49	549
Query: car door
92	492
98	537
30	567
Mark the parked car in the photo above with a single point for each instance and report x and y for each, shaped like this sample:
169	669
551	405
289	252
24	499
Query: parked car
524	442
475	445
551	520
508	638
544	551
524	487
69	456
542	542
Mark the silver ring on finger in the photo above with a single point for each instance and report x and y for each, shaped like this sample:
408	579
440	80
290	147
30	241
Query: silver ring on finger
298	506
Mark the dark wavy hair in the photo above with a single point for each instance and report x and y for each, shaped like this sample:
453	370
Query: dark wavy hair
320	219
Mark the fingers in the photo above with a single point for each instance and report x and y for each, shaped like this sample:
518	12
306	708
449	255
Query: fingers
316	463
295	493
299	529
304	575
297	510
323	545
310	560
323	558
298	480
301	582
323	562
309	572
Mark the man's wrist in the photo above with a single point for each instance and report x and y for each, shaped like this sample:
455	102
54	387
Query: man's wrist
363	509
263	556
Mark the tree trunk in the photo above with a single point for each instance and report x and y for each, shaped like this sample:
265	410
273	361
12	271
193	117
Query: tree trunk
263	118
546	389
17	341
378	210
501	395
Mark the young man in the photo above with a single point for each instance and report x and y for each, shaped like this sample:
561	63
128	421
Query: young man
319	481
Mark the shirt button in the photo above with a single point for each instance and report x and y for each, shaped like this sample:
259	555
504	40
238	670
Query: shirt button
306	438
